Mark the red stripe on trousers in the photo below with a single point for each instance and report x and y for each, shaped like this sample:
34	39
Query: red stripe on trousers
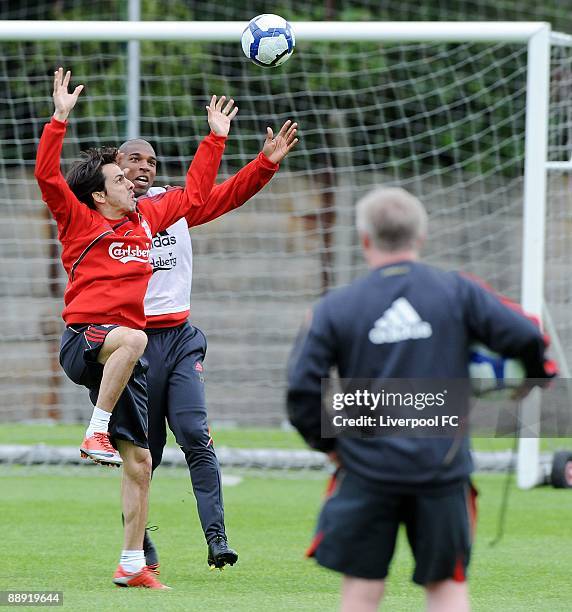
471	501
330	488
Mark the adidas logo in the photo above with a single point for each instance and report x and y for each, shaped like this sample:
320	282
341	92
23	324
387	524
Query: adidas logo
399	322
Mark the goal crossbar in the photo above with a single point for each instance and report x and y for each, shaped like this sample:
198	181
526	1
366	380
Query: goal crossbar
412	31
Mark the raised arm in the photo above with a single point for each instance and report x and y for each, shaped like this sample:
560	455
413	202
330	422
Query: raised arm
248	181
166	208
504	327
55	191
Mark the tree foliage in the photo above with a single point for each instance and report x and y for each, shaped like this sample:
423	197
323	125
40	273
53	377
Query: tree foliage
426	110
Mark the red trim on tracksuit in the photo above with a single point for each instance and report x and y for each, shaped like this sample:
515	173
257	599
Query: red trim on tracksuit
167	320
471	502
316	541
459	571
95	334
319	536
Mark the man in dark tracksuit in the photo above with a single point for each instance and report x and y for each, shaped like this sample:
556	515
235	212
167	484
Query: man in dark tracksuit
404	319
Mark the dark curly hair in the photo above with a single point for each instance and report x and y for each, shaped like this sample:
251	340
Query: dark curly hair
86	175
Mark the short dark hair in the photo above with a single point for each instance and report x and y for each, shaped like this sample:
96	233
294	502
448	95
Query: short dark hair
123	147
86	175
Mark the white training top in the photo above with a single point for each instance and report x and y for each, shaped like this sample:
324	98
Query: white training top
169	289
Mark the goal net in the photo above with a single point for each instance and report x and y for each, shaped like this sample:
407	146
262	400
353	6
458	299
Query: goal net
445	120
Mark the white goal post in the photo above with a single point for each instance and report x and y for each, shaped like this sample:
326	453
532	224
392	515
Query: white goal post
537	37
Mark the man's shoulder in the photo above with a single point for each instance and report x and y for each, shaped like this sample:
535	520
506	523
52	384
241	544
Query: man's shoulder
155	191
424	276
342	298
422	267
154	195
420	270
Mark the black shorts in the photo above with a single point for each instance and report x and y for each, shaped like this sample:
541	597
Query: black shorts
358	526
79	349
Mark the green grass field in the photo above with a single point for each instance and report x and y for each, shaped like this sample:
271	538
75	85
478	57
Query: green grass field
62	531
71	435
68	435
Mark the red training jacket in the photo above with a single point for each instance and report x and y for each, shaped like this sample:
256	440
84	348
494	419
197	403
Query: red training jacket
107	260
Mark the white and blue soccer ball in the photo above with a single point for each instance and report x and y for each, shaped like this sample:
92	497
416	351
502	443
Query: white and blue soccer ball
491	373
268	40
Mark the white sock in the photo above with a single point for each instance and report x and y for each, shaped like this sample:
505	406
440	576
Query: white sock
99	422
132	560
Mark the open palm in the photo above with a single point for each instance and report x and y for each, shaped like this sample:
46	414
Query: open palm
63	100
277	147
219	118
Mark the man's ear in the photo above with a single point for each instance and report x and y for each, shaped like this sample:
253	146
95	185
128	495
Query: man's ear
98	197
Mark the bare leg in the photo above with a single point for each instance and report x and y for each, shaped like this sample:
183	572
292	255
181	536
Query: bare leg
448	596
361	595
119	354
134	492
135	504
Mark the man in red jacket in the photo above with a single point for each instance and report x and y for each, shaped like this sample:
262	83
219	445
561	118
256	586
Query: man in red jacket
106	239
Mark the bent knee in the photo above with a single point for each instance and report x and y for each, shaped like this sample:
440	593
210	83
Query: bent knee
144	460
135	340
138	464
132	343
193	438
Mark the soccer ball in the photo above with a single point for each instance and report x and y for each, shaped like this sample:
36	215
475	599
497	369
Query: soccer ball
492	373
268	40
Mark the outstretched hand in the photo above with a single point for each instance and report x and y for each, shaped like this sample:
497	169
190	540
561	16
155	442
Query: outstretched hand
219	118
64	101
277	147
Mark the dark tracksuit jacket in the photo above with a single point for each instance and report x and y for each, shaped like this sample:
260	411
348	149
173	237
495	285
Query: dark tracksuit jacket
404	320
